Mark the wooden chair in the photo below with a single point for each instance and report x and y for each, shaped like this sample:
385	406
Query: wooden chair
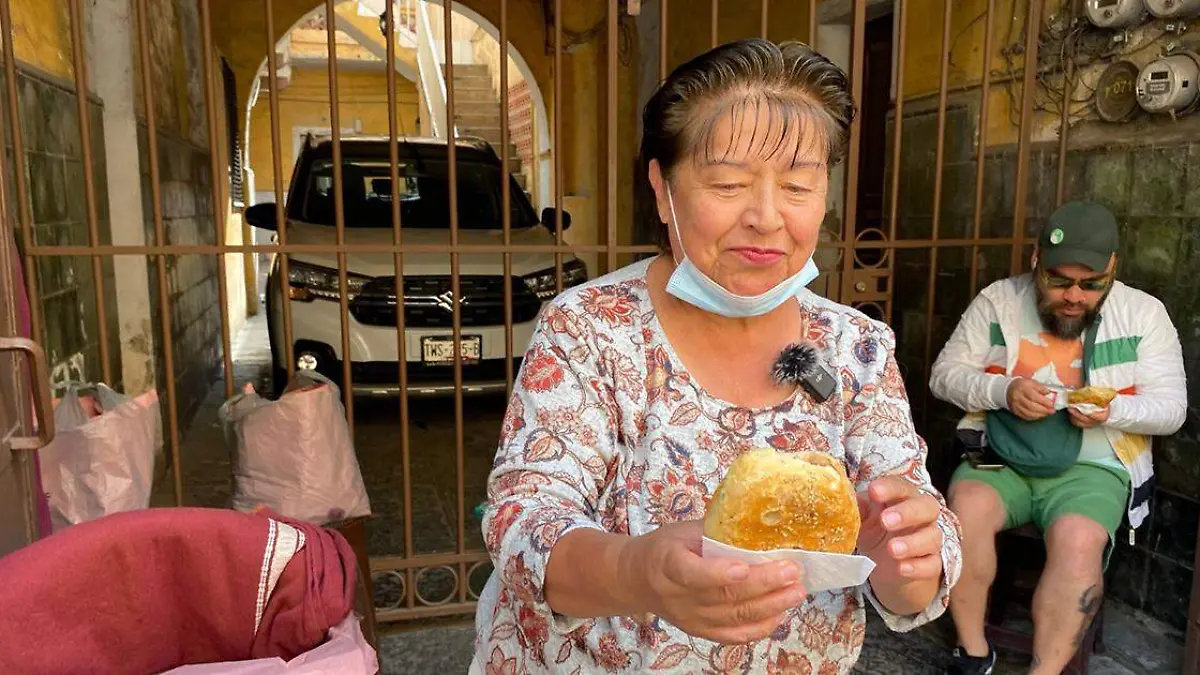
1014	549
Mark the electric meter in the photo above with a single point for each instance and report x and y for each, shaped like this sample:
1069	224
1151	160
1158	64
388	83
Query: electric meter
1169	84
1115	13
1173	9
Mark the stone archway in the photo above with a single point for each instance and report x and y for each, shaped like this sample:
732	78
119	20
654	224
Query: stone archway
295	12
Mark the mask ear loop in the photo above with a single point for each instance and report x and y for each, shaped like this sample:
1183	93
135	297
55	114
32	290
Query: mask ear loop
675	227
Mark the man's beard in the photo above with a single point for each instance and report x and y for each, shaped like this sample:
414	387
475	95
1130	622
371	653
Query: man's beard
1066	327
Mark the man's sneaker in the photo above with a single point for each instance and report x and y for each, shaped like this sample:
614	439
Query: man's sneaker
965	664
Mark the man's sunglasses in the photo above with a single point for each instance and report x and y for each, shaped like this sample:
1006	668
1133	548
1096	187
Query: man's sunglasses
1060	282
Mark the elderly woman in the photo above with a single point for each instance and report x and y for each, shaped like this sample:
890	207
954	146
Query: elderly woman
640	388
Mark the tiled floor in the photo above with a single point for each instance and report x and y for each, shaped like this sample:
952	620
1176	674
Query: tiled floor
1135	646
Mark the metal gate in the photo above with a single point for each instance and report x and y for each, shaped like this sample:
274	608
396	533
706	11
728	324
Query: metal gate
864	246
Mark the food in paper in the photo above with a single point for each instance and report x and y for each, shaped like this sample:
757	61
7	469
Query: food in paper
1091	400
771	500
789	506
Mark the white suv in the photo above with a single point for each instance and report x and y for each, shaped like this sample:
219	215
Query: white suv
428	301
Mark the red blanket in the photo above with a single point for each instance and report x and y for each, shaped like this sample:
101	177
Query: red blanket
144	592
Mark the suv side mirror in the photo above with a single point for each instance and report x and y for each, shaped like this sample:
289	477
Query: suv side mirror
549	216
262	216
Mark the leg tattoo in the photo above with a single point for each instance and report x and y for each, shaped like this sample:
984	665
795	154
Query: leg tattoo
1089	604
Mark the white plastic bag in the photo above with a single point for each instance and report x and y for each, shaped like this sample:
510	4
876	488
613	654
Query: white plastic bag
345	653
294	455
101	460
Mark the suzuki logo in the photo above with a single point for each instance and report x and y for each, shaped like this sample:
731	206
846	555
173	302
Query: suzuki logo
446	301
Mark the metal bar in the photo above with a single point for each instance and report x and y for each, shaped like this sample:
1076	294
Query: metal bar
857	54
611	210
456	291
1191	648
995	80
981	152
813	21
339	209
426	612
277	168
506	202
662	38
24	212
41	411
398	262
1032	21
938	175
218	193
89	185
894	215
391	563
556	143
207	249
763	22
212	249
160	236
716	10
1064	125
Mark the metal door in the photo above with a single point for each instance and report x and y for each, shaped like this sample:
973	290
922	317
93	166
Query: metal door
22	371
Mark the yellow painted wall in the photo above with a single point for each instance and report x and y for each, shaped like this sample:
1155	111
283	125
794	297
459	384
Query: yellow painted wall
42	35
305	103
923	49
176	71
487	52
369	26
689	24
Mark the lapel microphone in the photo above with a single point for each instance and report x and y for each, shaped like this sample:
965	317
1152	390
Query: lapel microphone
798	364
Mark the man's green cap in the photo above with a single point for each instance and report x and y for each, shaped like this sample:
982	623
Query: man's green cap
1079	233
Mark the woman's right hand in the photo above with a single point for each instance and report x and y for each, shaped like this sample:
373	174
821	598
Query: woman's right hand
717	599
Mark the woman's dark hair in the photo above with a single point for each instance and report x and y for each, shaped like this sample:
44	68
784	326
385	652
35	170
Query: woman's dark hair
803	94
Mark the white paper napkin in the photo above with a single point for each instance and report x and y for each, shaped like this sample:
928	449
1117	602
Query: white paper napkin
822	571
1058	396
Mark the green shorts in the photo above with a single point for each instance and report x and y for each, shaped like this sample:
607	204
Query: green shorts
1096	492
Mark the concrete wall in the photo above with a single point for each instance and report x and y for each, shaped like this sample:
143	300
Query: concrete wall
363	104
53	164
184	157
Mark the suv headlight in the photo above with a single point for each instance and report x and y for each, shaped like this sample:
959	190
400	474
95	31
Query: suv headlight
543	285
310	282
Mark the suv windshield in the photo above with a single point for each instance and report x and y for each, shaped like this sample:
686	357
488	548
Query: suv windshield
423	190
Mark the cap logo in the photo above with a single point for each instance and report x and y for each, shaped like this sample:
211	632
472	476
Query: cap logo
1056	236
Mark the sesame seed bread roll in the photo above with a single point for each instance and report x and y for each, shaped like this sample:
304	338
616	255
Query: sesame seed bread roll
775	500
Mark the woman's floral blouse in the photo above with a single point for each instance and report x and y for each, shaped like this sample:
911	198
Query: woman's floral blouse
606	429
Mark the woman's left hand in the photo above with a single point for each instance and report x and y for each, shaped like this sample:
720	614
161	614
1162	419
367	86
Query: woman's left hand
899	531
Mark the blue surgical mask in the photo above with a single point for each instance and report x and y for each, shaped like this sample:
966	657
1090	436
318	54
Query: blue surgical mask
694	287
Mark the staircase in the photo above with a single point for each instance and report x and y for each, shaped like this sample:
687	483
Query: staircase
478	112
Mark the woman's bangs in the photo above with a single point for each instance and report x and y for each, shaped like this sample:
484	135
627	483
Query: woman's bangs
768	127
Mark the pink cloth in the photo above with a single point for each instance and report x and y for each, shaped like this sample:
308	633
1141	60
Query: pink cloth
147	591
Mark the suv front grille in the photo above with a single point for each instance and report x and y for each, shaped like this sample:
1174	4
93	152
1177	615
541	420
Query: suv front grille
428	302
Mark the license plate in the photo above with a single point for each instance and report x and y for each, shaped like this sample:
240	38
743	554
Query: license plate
439	349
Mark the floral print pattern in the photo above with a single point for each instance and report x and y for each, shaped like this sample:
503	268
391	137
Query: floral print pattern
606	429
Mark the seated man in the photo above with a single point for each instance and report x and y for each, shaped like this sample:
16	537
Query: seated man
1034	456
